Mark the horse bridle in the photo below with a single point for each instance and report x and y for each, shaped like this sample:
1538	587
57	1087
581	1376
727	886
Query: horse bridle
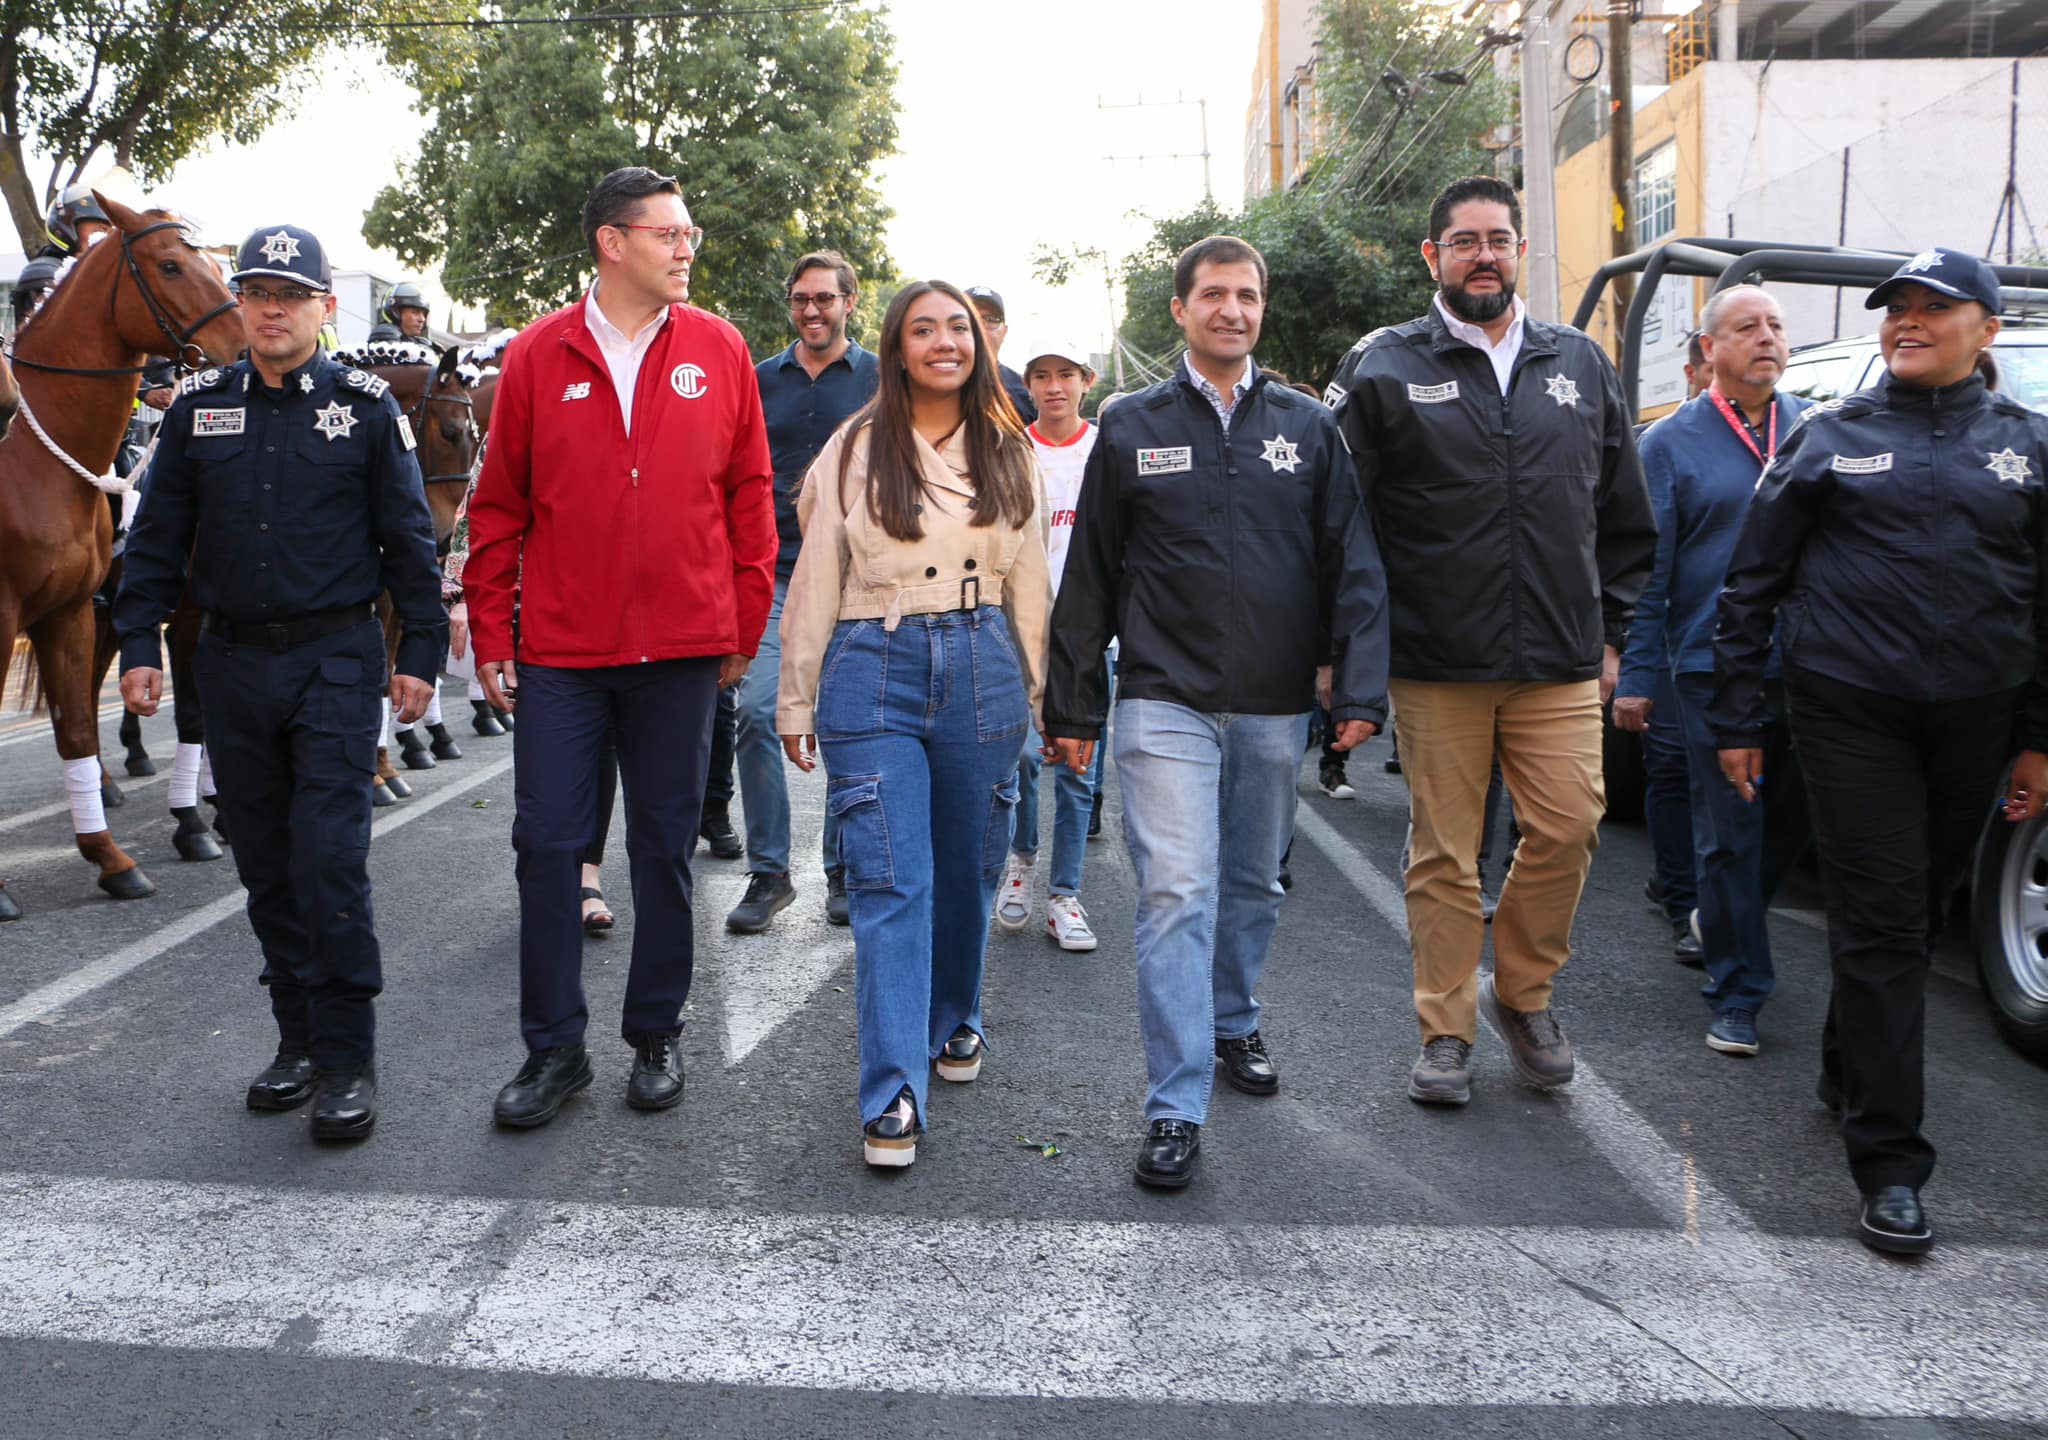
417	418
181	344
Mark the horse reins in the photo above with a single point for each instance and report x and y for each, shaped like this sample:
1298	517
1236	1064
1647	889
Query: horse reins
417	417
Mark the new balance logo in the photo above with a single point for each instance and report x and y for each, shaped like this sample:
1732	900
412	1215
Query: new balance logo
579	391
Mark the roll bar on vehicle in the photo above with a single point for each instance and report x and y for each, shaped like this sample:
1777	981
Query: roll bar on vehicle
1736	262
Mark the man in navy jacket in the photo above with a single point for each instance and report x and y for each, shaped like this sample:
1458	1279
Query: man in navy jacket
1702	462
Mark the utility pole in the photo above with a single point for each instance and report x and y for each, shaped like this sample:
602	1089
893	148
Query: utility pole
1539	165
1141	103
1621	146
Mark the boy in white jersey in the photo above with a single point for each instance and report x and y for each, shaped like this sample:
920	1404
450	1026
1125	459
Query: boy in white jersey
1057	378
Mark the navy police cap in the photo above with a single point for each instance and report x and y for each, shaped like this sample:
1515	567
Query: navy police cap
283	252
1953	273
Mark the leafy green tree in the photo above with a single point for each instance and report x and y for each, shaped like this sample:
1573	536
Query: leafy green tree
1408	100
772	121
150	81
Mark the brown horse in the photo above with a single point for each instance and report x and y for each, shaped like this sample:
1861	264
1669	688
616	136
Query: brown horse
144	290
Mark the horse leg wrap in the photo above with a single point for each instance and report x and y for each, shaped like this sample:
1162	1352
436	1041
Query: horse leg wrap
185	776
82	788
433	715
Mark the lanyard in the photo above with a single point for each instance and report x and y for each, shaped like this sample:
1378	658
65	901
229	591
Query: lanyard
1742	427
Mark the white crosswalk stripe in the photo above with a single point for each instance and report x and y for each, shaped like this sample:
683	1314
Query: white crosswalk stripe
1333	1314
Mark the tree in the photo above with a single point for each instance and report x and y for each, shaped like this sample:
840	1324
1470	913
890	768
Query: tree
1408	101
772	119
150	81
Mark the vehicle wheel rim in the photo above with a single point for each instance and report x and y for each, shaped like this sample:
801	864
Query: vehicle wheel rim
2023	910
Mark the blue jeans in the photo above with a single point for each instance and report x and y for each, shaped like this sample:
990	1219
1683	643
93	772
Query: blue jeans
1743	850
1208	811
1667	802
757	752
1073	799
920	729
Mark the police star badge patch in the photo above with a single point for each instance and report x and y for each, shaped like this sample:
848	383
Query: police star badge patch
279	248
1562	388
2010	467
1282	454
335	421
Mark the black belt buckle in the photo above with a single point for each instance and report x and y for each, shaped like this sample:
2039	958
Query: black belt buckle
278	638
975	603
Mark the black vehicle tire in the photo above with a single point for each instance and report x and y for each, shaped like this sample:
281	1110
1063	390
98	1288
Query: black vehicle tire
2009	922
1621	761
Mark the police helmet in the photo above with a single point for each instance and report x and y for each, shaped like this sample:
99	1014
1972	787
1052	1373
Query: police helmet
404	296
76	204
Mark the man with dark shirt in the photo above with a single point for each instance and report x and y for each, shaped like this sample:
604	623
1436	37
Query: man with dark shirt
807	392
989	305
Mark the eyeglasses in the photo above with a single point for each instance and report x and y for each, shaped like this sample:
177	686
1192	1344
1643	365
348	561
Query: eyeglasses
823	300
289	295
669	234
1465	247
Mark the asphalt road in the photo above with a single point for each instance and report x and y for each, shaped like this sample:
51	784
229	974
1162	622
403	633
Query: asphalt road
1664	1249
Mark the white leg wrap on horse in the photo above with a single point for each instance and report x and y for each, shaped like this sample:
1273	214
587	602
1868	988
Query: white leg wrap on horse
82	789
476	689
384	725
206	785
185	775
433	715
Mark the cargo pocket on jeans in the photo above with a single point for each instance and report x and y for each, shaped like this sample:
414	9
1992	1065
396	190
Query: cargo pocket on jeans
855	801
341	677
1002	820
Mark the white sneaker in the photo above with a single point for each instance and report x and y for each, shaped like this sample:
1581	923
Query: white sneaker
1067	923
1013	909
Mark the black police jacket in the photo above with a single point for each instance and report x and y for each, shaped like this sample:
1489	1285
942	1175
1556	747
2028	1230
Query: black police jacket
286	503
1516	529
1228	568
1899	539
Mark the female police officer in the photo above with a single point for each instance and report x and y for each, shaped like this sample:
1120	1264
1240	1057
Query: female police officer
1900	532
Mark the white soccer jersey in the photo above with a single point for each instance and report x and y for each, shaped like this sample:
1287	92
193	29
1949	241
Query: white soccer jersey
1063	466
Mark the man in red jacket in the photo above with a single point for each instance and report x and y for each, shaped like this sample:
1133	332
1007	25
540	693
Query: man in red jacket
627	497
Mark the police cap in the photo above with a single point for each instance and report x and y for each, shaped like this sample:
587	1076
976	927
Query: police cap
1953	273
283	252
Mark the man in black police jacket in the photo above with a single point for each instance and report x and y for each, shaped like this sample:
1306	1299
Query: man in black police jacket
1220	536
1500	471
295	480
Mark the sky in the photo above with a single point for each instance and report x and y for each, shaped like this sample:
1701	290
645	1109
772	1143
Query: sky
1002	147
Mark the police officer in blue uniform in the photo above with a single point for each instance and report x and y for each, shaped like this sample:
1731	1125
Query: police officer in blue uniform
289	483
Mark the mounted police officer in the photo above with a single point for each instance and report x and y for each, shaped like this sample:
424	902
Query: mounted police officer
31	285
295	477
404	317
75	220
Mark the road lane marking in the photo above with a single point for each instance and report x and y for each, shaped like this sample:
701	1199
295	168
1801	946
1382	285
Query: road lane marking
1628	1142
1272	1314
46	1000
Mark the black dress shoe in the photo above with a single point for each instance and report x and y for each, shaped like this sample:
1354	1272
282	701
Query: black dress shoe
1893	1222
657	1079
1247	1066
838	910
1167	1160
1685	946
345	1104
286	1084
716	828
548	1078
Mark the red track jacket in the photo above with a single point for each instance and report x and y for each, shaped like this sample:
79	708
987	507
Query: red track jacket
623	549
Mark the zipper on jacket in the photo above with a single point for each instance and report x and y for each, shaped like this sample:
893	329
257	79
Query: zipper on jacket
1938	485
1507	440
1229	517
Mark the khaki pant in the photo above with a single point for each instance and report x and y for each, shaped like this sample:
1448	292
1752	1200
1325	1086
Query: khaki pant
1547	737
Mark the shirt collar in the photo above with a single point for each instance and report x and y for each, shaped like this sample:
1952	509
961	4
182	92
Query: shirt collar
946	465
847	359
607	333
1474	336
1209	390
